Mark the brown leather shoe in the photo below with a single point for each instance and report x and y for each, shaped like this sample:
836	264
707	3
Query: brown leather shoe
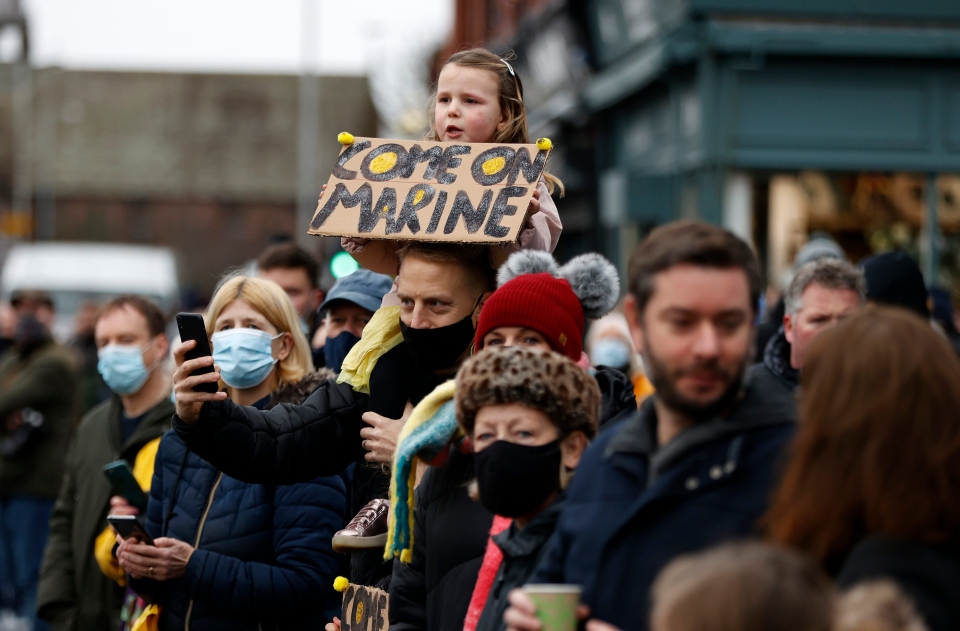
367	530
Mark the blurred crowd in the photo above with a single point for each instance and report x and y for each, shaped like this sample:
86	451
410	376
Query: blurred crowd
454	423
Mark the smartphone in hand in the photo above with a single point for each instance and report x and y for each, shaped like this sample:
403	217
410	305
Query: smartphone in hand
127	526
125	485
191	327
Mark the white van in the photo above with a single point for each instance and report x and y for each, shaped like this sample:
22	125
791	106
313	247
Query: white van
74	273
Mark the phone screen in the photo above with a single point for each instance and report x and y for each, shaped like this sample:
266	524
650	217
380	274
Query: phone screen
191	327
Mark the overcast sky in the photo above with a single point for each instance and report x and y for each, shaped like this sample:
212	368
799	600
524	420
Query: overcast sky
226	35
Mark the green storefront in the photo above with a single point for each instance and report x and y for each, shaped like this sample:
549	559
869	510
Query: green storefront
778	118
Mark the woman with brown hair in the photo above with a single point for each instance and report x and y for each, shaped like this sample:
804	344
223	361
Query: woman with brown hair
873	485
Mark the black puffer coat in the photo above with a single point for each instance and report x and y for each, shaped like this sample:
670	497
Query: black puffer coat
449	537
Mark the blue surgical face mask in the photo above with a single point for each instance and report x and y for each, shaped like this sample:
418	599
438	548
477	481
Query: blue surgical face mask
244	356
122	367
611	352
337	348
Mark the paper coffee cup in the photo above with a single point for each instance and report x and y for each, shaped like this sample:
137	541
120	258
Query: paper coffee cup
556	605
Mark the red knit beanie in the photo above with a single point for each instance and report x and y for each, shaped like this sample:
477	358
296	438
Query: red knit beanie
540	302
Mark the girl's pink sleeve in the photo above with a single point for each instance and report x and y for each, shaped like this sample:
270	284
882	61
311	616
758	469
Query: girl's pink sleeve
376	255
542	231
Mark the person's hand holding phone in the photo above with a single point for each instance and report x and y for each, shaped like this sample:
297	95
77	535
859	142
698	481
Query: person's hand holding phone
120	506
189	401
165	560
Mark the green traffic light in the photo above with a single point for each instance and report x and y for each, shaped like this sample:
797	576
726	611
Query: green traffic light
342	264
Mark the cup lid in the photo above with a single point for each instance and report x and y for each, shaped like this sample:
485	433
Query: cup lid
552	588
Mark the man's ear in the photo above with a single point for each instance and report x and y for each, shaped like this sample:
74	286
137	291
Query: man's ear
788	327
163	345
480	303
316	297
634	321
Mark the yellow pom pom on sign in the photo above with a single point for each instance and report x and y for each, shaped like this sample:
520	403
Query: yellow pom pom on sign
544	144
345	138
341	583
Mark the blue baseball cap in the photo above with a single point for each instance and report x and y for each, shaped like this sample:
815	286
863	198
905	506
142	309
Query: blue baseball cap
363	288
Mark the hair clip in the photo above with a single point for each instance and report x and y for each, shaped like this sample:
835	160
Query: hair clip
509	67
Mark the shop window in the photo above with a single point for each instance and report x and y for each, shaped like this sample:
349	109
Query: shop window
865	213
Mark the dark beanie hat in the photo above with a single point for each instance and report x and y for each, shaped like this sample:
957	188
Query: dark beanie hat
551	383
554	301
893	278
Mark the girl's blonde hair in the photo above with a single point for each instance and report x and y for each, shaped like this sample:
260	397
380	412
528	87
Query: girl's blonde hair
511	101
270	301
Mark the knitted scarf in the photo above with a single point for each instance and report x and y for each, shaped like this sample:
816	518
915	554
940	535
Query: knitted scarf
428	431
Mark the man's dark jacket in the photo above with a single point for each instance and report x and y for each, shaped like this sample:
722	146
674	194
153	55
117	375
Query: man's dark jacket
929	574
73	592
633	507
775	371
283	445
44	380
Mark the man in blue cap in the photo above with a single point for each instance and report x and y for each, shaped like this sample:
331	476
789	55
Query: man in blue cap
349	306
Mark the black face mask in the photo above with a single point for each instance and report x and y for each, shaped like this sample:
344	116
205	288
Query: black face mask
514	480
336	349
436	349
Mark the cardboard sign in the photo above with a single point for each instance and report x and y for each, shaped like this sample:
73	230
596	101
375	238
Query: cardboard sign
429	191
365	609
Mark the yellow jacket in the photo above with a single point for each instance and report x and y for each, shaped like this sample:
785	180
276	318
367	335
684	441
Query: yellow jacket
103	547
